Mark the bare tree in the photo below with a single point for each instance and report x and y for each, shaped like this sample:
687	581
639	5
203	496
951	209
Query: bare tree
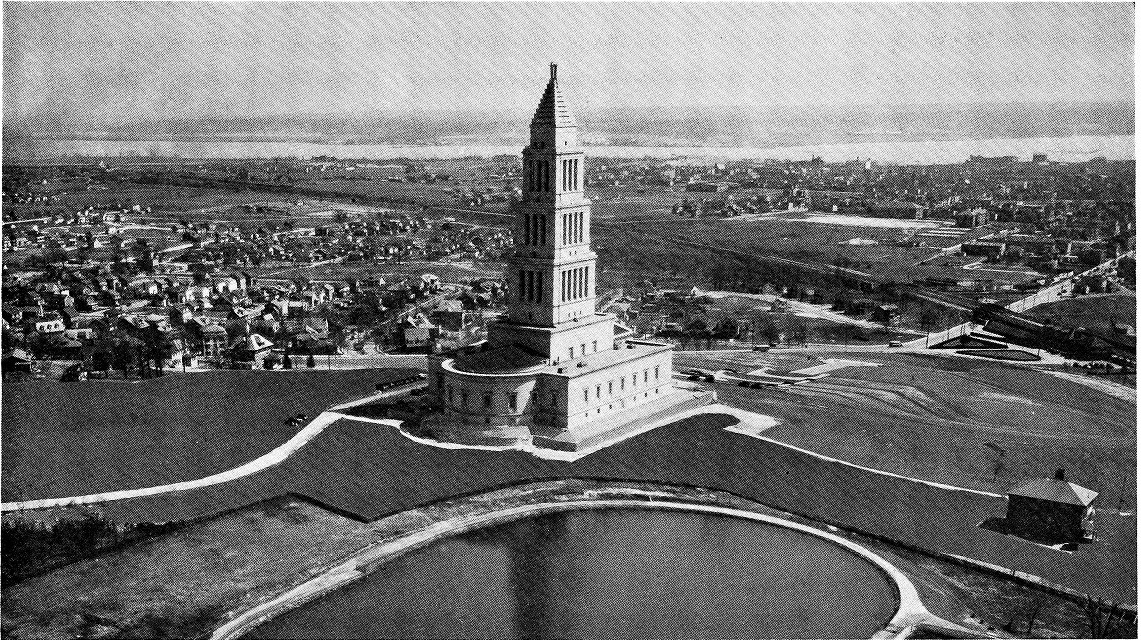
1032	615
1102	620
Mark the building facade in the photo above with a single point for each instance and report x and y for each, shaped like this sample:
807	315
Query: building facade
554	371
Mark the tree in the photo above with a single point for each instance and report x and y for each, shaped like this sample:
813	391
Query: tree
767	329
123	355
286	361
311	362
795	329
696	326
1032	614
727	328
1102	620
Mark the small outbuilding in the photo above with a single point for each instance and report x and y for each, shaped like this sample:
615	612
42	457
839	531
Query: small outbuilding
1050	508
16	362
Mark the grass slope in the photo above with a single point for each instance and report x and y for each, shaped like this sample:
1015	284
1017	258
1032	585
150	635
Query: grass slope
77	438
1097	312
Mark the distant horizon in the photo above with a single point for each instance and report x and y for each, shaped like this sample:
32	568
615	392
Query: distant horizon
83	63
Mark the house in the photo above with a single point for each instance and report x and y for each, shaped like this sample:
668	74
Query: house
214	339
449	315
886	313
1050	508
63	346
985	249
16	362
250	352
48	324
416	337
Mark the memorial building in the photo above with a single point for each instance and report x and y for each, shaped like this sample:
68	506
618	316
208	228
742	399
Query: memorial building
554	371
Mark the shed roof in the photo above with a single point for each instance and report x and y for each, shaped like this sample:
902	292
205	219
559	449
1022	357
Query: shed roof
1054	490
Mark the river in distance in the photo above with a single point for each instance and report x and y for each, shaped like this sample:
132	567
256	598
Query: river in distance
1069	149
609	574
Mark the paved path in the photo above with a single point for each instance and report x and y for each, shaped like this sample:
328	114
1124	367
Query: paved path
748	423
260	463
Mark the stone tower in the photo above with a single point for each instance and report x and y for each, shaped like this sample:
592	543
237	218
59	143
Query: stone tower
552	269
554	371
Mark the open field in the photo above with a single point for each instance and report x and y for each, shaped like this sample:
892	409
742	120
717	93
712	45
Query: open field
178	585
1096	312
933	418
342	271
77	438
378	472
796	237
919	416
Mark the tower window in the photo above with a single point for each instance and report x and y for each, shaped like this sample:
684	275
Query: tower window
513	401
486	400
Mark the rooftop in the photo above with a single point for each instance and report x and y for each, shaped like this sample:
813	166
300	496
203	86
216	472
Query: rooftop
1054	490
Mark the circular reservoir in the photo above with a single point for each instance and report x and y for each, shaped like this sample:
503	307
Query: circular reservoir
609	574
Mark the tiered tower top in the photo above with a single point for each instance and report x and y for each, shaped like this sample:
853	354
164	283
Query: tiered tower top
553	127
551	268
552	109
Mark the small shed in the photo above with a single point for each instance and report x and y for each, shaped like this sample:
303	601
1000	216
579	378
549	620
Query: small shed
1050	508
17	361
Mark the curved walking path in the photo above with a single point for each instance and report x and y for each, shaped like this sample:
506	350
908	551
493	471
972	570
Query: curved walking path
910	614
749	424
276	456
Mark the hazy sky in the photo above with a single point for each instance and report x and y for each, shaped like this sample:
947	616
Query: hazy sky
122	60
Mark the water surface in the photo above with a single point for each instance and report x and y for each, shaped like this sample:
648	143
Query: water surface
609	574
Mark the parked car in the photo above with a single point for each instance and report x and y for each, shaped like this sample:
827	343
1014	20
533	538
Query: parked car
895	343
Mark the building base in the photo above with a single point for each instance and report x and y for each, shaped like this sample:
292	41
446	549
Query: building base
610	429
590	435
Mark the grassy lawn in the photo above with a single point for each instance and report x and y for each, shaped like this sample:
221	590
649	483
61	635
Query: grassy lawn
922	418
177	585
454	273
77	438
378	472
1092	312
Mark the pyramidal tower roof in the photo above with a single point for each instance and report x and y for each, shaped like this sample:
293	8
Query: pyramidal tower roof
553	108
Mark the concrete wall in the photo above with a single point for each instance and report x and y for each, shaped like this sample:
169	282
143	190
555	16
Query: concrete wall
612	389
556	344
